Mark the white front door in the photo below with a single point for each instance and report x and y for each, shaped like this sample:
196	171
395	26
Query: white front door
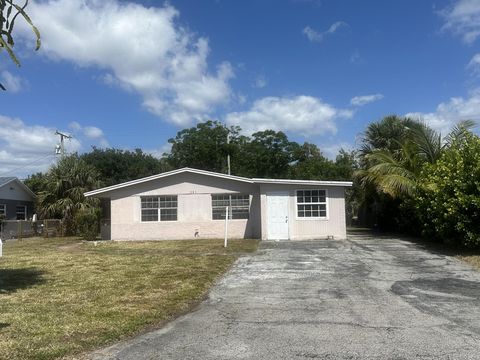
277	216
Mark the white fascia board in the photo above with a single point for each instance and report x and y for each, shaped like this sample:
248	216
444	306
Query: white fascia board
302	182
166	174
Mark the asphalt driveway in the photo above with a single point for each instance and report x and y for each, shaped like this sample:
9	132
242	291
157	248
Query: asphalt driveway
364	298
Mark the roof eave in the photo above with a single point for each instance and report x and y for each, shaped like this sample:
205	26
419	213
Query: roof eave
302	182
163	175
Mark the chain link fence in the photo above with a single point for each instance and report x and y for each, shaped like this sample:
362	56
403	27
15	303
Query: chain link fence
19	229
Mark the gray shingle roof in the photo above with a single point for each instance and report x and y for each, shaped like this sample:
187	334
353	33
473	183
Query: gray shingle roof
4	180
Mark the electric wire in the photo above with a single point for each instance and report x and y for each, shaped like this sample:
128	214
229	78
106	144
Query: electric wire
26	165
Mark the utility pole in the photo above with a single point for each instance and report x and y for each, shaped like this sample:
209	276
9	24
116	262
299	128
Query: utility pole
228	153
61	150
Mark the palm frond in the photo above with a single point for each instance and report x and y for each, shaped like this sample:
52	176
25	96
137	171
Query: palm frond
458	132
389	174
427	141
397	185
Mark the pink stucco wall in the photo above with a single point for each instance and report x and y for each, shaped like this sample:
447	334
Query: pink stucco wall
194	209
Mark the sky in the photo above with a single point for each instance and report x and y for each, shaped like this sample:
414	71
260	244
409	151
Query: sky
130	74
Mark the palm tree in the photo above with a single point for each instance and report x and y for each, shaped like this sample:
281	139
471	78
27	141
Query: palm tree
386	134
395	167
65	184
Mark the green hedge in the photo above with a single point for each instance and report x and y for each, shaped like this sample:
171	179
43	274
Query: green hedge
448	203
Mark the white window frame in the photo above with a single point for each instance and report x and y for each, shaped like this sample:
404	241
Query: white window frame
322	218
159	208
24	209
230	210
3	209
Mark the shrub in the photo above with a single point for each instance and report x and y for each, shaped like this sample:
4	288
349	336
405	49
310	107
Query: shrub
87	223
448	204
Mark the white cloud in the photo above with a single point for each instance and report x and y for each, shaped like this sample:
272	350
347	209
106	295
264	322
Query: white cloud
365	99
260	82
335	26
142	49
316	36
12	83
242	99
75	126
451	112
474	64
92	132
312	35
463	18
331	150
165	148
27	149
305	115
355	58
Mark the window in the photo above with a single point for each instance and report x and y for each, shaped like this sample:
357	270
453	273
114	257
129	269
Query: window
238	205
21	212
311	203
3	210
163	208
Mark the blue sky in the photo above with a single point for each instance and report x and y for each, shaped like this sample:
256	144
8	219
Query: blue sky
131	74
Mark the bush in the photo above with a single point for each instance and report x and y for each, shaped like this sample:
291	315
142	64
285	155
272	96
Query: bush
88	223
448	204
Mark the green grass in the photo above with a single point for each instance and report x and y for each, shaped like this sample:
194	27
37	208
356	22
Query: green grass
61	297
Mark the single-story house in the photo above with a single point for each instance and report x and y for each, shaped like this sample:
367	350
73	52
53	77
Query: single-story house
16	199
188	203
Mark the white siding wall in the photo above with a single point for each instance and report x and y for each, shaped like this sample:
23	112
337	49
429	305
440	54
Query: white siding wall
194	209
334	225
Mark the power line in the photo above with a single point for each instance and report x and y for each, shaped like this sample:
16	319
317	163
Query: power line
28	164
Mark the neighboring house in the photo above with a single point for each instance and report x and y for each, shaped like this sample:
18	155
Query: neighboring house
16	199
188	203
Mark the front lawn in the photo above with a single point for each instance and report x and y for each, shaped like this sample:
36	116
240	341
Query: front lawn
66	296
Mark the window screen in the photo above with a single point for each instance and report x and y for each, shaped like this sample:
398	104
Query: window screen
159	208
311	203
238	204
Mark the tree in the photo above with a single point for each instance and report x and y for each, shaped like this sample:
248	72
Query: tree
116	166
267	154
310	164
65	184
448	200
346	162
386	134
9	12
395	170
393	154
36	182
394	174
203	146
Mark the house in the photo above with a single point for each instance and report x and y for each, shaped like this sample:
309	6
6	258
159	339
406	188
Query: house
189	203
16	199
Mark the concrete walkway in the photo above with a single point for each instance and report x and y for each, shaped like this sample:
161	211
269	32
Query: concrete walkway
364	298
